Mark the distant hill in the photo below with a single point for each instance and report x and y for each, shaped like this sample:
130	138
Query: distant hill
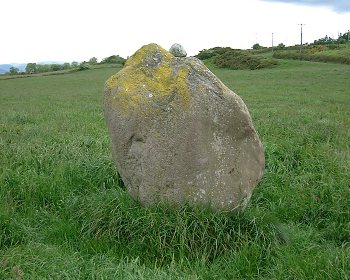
6	67
22	66
50	62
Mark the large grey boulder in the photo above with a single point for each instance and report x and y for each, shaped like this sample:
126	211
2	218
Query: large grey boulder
179	134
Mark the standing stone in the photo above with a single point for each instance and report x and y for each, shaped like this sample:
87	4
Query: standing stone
179	134
178	50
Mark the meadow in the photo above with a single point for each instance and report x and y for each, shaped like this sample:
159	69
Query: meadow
65	214
334	53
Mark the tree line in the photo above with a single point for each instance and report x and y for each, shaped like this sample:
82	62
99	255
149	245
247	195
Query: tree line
342	39
35	68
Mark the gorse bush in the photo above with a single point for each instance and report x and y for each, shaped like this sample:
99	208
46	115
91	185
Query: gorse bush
312	56
83	66
332	53
116	59
240	60
236	59
257	47
206	54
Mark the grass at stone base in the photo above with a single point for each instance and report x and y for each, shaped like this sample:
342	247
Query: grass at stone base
64	216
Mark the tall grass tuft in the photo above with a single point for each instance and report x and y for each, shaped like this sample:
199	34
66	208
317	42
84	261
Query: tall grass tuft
163	234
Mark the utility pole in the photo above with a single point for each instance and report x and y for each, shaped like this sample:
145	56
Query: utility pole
272	42
349	35
301	37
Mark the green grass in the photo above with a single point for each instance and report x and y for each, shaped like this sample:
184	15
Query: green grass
8	76
334	53
65	215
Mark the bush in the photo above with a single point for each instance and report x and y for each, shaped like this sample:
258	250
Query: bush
281	46
240	60
206	54
13	71
334	47
56	67
93	60
235	59
83	66
115	59
257	47
312	56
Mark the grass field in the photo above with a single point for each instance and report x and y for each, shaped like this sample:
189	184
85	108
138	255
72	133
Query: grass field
65	215
333	53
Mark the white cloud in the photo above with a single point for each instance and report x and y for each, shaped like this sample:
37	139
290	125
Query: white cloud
66	30
339	5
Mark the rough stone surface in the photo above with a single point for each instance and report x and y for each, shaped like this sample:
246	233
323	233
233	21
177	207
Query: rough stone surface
178	50
179	134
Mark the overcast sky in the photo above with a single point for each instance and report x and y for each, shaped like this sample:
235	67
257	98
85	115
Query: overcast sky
74	30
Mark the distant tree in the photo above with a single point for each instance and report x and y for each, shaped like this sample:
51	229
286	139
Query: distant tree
74	64
14	71
281	46
56	67
31	68
343	38
66	65
41	68
83	66
114	59
257	47
93	60
327	40
324	40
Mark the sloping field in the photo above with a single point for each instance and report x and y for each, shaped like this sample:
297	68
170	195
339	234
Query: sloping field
64	213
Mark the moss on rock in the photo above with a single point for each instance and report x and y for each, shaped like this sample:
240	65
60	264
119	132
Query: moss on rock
148	78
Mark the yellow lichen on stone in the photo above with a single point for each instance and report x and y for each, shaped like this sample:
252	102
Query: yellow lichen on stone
182	86
149	76
150	50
